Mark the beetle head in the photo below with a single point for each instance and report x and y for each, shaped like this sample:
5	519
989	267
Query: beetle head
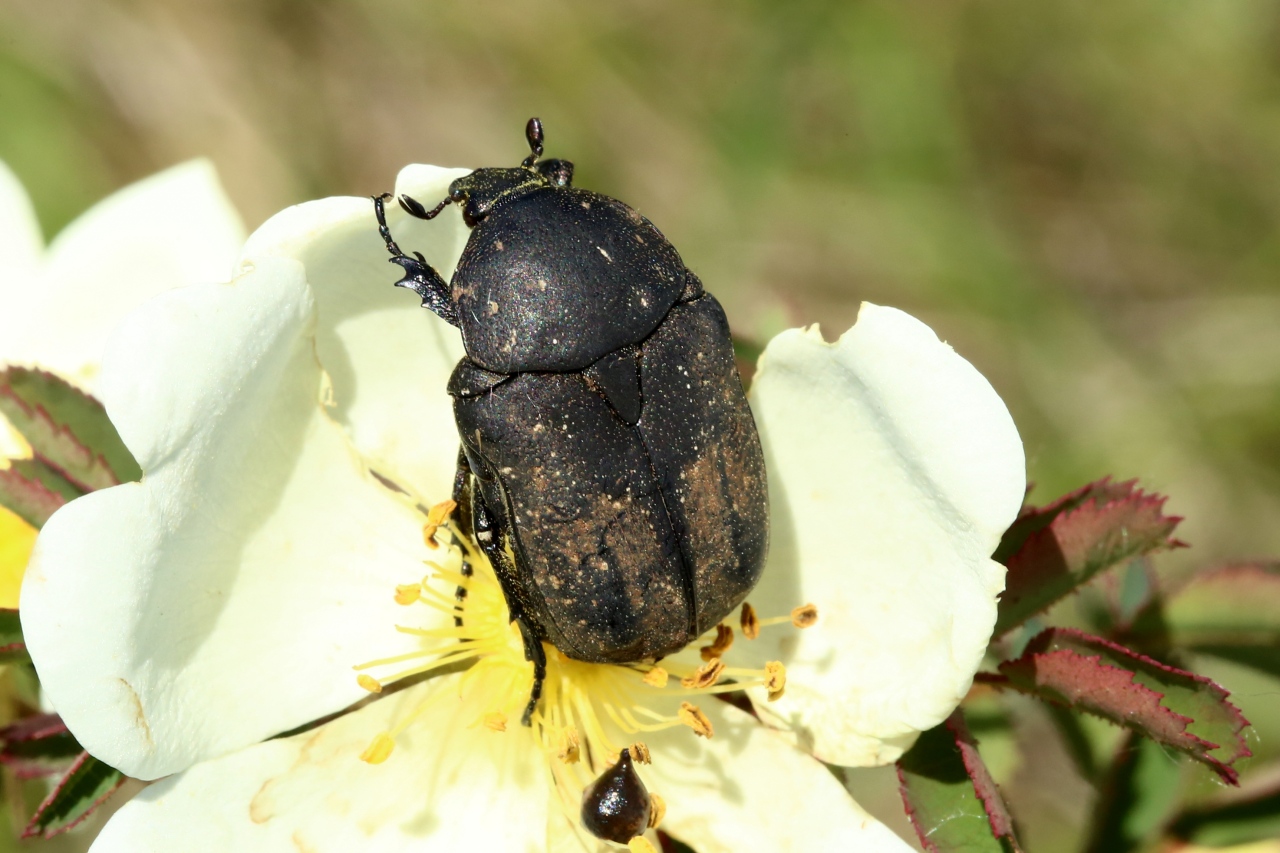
479	192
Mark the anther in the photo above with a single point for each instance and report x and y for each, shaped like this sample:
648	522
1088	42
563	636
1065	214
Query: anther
438	515
775	679
693	717
495	721
704	676
804	615
722	643
379	750
657	810
750	622
656	677
368	682
570	750
408	593
640	752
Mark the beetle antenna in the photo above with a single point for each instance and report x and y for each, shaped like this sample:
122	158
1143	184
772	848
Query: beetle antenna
382	224
413	207
533	133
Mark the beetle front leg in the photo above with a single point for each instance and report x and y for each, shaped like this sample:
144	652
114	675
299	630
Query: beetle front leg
419	276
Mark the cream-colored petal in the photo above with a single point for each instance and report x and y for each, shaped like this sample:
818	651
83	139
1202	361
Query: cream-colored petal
894	468
226	597
172	229
389	358
20	263
447	787
746	789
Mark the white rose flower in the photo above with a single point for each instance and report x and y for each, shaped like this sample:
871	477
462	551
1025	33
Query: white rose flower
174	228
179	622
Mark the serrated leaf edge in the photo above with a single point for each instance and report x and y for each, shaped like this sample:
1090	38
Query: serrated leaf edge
37	411
32	830
1224	770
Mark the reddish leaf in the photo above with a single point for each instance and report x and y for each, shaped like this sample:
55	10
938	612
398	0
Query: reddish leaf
37	746
1052	550
28	498
949	795
67	429
84	787
1180	709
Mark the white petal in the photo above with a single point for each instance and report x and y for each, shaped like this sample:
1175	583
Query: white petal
20	263
389	359
172	229
446	787
745	789
894	468
226	597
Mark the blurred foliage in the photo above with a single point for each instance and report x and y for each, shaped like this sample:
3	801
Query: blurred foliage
1083	198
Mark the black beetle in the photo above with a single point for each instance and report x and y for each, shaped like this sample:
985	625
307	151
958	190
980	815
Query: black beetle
606	439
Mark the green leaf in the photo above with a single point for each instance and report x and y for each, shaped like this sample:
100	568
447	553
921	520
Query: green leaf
12	645
28	497
1136	797
1232	611
1235	817
1177	708
37	746
950	797
1053	550
66	428
84	787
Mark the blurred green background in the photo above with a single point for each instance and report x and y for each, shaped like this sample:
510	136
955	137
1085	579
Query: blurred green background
1084	199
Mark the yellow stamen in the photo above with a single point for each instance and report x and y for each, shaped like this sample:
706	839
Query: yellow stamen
750	623
379	750
804	616
496	721
722	643
368	682
693	717
438	515
656	677
704	676
775	679
640	844
569	746
657	810
408	593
